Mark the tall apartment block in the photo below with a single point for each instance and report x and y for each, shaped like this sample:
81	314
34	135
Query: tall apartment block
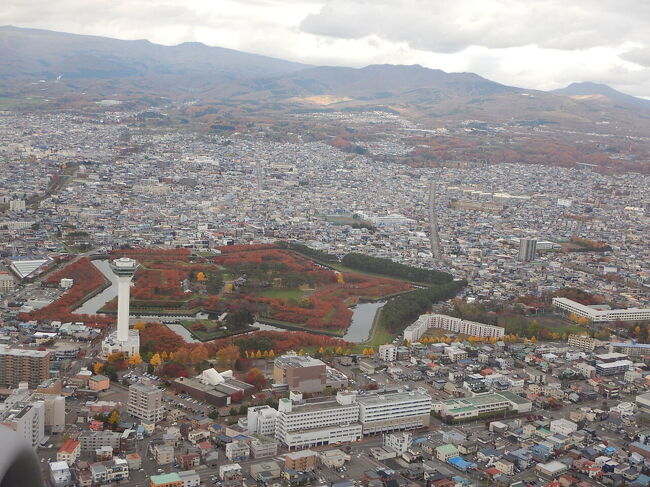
19	365
145	402
527	249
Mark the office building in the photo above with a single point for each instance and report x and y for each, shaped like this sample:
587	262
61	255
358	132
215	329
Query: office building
527	249
600	313
391	411
145	402
416	330
20	365
317	422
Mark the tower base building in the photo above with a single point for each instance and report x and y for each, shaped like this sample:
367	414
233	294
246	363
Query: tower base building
129	347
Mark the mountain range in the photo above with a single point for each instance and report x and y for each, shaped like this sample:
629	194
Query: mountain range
109	68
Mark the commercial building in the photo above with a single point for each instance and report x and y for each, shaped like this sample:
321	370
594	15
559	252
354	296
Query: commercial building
333	458
527	249
7	282
417	329
391	411
613	368
217	393
601	314
20	365
145	402
481	405
166	480
582	342
316	422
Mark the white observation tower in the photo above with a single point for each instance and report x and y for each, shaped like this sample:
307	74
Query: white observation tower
123	340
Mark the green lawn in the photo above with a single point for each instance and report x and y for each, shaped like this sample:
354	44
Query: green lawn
282	293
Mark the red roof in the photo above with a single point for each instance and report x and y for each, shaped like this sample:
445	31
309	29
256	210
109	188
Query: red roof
69	446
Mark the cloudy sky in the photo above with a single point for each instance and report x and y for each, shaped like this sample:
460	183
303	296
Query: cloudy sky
542	44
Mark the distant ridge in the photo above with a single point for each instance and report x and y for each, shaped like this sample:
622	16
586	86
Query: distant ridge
588	88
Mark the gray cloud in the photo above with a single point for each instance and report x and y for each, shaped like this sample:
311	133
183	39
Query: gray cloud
451	26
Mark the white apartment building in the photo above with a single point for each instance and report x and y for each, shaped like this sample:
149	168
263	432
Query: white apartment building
303	424
391	411
387	353
599	315
416	330
261	420
145	402
26	419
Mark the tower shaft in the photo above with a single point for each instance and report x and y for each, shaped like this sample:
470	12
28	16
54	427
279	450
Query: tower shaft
123	296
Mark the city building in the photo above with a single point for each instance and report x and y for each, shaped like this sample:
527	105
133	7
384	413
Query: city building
263	446
163	454
387	353
416	330
301	461
21	365
93	440
481	405
26	419
145	402
527	249
99	383
391	411
261	420
109	471
613	368
322	421
563	426
238	451
172	479
582	342
60	473
300	373
69	451
601	314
